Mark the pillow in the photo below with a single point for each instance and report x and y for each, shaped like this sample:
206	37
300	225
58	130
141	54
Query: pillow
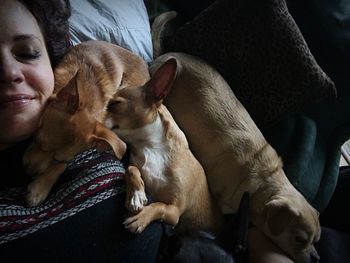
258	48
121	22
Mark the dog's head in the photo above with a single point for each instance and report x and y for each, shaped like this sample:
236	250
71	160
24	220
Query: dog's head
294	226
68	127
136	106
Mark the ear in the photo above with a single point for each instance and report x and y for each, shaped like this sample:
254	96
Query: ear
67	99
104	139
162	80
279	214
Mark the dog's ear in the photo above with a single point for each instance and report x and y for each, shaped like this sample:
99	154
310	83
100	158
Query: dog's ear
103	139
65	72
67	99
279	214
162	81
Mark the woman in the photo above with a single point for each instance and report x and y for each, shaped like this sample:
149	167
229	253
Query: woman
82	218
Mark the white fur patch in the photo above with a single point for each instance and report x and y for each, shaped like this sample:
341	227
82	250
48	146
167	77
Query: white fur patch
150	151
137	201
155	163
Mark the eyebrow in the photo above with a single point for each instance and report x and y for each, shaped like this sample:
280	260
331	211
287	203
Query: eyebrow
26	37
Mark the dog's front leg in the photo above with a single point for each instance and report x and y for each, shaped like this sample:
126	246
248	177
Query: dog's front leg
135	190
42	184
169	214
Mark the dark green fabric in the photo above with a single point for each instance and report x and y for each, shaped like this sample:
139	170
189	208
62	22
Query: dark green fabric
310	155
294	138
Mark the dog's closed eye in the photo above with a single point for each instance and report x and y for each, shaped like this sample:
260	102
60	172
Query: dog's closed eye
301	240
113	105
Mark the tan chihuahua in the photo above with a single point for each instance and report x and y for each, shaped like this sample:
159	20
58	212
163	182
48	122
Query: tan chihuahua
237	158
161	161
86	79
234	153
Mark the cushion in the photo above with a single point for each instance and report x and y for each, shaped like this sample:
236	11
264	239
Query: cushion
121	22
258	48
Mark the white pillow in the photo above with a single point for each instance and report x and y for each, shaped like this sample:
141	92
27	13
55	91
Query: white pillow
123	22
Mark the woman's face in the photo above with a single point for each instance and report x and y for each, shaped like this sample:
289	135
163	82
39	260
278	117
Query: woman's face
26	77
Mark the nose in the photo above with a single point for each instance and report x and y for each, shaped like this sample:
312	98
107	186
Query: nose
314	256
10	69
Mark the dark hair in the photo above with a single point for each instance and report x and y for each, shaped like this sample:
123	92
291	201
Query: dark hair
52	17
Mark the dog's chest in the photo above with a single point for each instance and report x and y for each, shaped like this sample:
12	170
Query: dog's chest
152	161
150	152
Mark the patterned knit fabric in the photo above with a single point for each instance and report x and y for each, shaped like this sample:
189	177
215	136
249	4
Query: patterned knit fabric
89	179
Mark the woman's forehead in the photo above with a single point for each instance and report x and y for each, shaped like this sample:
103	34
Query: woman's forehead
16	20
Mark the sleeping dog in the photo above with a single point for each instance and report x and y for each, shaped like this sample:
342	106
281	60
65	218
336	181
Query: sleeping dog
161	161
234	153
85	80
237	158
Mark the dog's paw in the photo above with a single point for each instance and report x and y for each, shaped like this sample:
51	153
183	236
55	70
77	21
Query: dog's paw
36	194
137	201
137	223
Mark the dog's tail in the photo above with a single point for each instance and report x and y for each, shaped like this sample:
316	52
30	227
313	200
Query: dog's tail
157	29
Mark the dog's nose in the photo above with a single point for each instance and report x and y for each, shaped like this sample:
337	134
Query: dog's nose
314	256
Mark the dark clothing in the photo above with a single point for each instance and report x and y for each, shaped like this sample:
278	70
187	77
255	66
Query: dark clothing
334	245
336	214
81	220
11	161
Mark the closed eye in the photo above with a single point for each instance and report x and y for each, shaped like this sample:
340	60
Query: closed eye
113	105
27	47
28	56
301	241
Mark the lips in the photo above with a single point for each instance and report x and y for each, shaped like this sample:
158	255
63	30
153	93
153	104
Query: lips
15	100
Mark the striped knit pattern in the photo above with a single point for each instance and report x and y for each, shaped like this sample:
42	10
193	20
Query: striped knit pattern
89	179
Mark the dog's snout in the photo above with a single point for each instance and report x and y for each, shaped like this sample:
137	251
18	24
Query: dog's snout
314	257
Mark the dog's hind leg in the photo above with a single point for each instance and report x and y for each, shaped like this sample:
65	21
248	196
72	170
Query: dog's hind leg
42	184
169	214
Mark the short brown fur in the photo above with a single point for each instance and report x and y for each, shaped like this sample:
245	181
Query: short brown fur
237	158
86	79
180	192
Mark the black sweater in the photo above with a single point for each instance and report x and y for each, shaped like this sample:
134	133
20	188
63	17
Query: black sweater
81	220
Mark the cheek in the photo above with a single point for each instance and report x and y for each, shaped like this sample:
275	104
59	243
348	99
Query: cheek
47	80
42	81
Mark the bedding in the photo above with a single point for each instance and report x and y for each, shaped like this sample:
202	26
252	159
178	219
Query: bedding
121	22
